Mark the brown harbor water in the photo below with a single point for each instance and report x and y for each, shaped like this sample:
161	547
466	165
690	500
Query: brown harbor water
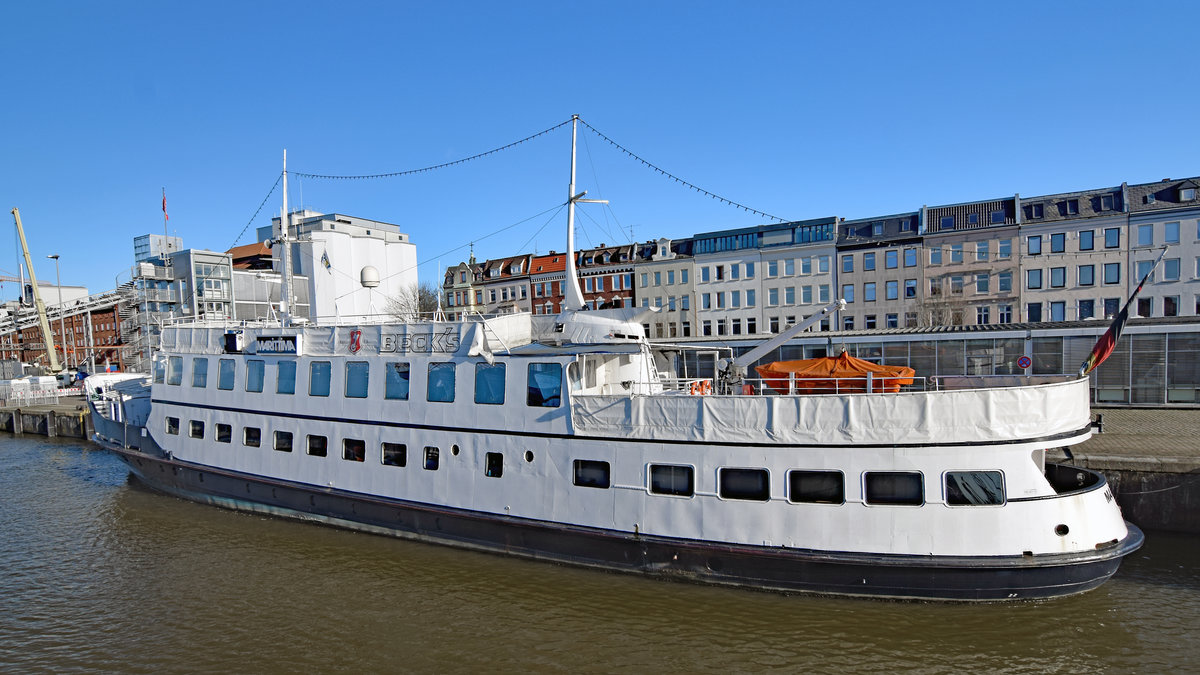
99	574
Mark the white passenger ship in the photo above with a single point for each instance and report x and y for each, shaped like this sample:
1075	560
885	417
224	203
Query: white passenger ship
573	439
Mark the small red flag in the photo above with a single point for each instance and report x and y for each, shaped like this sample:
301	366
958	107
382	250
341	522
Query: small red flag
165	216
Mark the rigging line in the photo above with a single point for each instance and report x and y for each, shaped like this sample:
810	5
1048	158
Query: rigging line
600	193
395	174
258	210
678	179
539	230
556	208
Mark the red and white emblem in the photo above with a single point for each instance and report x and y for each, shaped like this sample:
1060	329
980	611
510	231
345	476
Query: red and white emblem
355	341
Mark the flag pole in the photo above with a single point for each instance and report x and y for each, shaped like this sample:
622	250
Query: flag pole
1107	342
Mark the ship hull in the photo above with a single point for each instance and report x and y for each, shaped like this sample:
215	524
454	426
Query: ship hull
946	578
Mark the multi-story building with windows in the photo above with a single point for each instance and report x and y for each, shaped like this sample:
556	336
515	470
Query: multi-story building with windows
460	292
971	263
663	278
606	274
547	274
880	258
504	285
1073	254
1165	214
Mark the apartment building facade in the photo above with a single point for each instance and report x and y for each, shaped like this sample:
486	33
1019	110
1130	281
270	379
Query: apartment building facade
664	278
879	266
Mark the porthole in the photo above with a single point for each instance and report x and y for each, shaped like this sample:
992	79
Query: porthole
1061	530
528	455
454	450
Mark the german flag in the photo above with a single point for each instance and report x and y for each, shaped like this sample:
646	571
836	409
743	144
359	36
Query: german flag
1108	341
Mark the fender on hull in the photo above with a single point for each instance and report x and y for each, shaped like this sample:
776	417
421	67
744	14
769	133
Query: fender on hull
759	567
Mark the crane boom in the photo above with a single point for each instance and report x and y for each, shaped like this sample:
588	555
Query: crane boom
47	336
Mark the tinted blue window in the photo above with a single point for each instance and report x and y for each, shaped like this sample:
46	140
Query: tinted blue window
441	383
545	385
318	378
175	370
285	382
199	372
254	375
396	381
489	383
357	373
225	371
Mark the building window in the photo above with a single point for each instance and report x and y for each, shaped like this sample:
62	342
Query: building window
1187	194
848	263
440	387
489	383
1171	269
935	256
1004	314
891	290
357	373
318	446
983	315
848	292
493	465
869	322
1033	312
893	488
666	479
997	217
1087	309
1034	244
1058	242
1171	233
981	283
869	292
1033	279
947	223
1171	305
981	250
847	323
1004	249
1112	273
1087	240
869	261
1058	277
394	454
910	257
891	259
1145	235
283	441
974	488
1072	207
745	484
591	473
395	380
255	370
892	321
1106	202
956	253
1112	237
1087	275
225	372
544	385
1058	311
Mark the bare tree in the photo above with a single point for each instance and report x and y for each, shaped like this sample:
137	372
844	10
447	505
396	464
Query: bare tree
416	301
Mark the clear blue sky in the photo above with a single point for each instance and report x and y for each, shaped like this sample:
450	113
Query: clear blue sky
801	110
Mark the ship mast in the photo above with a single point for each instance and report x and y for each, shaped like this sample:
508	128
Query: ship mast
285	257
573	299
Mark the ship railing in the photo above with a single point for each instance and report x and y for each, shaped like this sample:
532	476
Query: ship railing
801	386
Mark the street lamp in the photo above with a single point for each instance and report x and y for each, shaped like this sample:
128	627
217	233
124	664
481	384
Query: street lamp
62	326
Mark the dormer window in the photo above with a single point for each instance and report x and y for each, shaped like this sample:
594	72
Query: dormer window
1187	194
877	229
1072	207
947	222
1106	202
1149	199
606	258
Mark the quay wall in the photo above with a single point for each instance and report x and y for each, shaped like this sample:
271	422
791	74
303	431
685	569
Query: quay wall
67	419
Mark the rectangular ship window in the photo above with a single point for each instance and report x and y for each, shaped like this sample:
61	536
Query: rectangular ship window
175	370
489	383
431	458
816	487
395	454
974	488
251	437
894	488
283	441
199	372
255	369
196	428
545	385
285	380
318	378
591	473
667	479
225	373
318	446
357	373
440	388
493	465
224	433
354	449
173	426
749	484
396	380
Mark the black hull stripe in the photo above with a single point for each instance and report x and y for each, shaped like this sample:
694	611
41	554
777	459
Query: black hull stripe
1052	438
771	568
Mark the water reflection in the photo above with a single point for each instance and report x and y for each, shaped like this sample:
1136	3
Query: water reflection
107	575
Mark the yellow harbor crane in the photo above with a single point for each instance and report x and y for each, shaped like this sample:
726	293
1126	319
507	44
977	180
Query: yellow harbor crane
47	336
